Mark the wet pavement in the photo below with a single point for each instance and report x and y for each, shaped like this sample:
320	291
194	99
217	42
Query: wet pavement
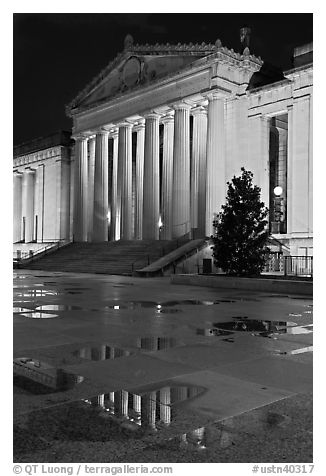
106	366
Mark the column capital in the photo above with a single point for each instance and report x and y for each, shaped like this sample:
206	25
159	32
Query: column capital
29	170
214	95
139	125
152	115
102	131
114	133
17	173
199	110
182	105
79	137
168	119
125	124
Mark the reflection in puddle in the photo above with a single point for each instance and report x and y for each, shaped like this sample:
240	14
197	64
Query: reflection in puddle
58	307
115	415
161	306
262	327
148	409
101	352
21	309
77	289
213	332
39	377
39	315
301	329
37	293
303	350
156	343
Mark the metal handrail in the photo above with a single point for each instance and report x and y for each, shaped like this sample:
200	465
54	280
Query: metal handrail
290	265
30	254
163	250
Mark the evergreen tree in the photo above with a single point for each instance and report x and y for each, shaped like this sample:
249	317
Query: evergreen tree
241	229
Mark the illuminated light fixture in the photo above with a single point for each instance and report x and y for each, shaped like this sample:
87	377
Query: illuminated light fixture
278	191
116	307
160	223
108	216
159	306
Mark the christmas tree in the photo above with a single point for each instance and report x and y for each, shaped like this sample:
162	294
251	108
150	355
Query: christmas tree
241	230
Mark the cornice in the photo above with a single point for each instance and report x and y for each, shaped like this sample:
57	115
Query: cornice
222	53
37	156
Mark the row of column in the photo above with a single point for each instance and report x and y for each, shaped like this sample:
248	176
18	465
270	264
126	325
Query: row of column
192	185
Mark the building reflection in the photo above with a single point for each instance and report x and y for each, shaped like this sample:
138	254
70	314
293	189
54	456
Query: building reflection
156	343
101	352
39	377
255	325
149	410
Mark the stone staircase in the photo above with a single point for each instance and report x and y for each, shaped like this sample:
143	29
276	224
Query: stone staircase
121	257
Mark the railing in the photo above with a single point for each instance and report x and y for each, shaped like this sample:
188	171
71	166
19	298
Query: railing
163	250
298	266
290	265
20	256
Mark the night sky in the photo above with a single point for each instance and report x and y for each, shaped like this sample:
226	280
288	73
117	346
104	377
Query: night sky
56	55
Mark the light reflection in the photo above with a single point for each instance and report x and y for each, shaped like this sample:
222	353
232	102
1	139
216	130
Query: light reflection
39	315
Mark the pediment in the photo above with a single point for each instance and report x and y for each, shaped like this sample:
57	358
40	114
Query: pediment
131	71
141	65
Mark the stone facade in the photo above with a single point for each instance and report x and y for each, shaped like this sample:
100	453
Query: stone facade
160	131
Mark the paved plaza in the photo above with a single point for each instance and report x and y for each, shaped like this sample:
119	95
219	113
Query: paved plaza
149	371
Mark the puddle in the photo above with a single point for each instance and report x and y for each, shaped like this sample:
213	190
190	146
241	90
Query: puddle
37	293
156	343
77	289
262	327
16	310
301	329
39	315
39	377
58	307
101	352
115	415
213	332
168	311
161	306
303	350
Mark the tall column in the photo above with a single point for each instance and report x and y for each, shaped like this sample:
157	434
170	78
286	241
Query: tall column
39	200
167	177
290	169
151	204
258	157
28	203
101	180
114	215
198	172
140	130
300	166
215	168
124	188
80	190
18	186
181	171
90	192
165	408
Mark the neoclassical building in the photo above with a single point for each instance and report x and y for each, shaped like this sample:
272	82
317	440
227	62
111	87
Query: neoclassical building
157	135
